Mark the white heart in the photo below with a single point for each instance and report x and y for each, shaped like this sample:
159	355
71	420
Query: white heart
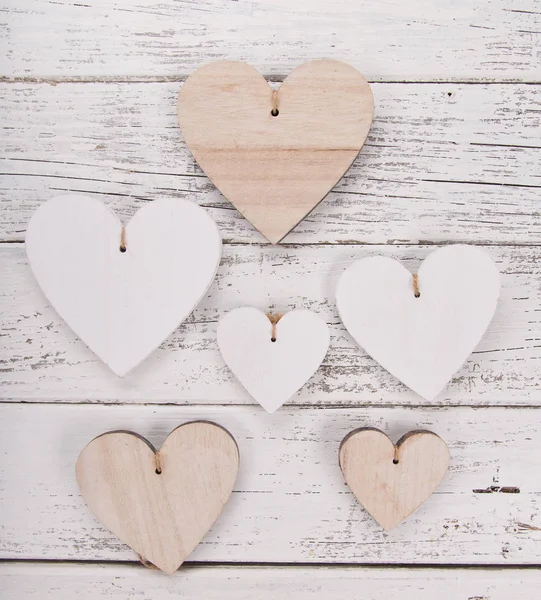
271	371
123	305
422	341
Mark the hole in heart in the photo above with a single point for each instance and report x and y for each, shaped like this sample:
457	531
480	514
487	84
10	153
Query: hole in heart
275	112
158	471
273	339
395	461
122	248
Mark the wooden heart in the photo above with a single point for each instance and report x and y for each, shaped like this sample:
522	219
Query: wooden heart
161	504
421	339
122	304
275	169
274	358
392	481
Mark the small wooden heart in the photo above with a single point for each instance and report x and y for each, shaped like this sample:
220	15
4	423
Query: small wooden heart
161	504
273	357
392	481
275	155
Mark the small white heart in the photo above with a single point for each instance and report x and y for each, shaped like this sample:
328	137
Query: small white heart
123	305
422	341
272	371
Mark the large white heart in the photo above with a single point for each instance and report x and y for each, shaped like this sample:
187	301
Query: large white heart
123	305
272	371
421	340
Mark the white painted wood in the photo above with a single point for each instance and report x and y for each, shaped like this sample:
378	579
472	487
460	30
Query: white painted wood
442	163
123	582
420	327
122	293
272	360
290	502
43	361
394	40
159	502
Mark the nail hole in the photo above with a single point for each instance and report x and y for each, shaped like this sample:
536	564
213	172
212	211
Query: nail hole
275	112
395	461
122	248
449	94
417	295
158	472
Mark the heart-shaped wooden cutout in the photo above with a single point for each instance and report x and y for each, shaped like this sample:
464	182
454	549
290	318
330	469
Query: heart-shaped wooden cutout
161	504
392	481
123	302
275	169
421	339
272	356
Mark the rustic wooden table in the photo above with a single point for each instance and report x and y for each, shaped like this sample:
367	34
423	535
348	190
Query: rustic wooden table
454	155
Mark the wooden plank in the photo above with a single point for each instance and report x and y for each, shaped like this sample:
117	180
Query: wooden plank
441	163
290	502
421	40
122	582
42	360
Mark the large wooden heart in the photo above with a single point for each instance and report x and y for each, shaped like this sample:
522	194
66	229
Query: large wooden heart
161	504
275	156
421	337
392	481
122	290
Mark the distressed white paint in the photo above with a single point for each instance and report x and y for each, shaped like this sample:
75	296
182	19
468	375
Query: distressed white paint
290	502
386	39
122	293
421	334
442	163
125	582
272	362
42	360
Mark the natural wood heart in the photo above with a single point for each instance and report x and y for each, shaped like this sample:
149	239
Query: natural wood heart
272	359
161	503
392	481
275	169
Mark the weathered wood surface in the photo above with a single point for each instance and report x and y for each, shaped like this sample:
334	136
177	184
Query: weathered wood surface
388	40
125	582
42	360
290	502
443	162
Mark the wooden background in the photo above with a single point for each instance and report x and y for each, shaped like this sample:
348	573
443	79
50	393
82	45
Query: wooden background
88	99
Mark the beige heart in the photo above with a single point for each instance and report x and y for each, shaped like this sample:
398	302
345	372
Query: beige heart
161	504
392	481
275	169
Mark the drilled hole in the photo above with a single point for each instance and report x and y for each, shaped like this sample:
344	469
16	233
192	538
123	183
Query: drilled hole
275	112
273	339
122	248
449	94
158	472
395	461
417	295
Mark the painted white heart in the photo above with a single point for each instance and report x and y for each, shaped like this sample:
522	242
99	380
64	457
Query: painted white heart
122	302
272	371
421	340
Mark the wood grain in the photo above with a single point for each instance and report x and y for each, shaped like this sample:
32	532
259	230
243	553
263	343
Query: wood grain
290	502
123	582
275	154
43	361
392	480
162	502
386	39
441	163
